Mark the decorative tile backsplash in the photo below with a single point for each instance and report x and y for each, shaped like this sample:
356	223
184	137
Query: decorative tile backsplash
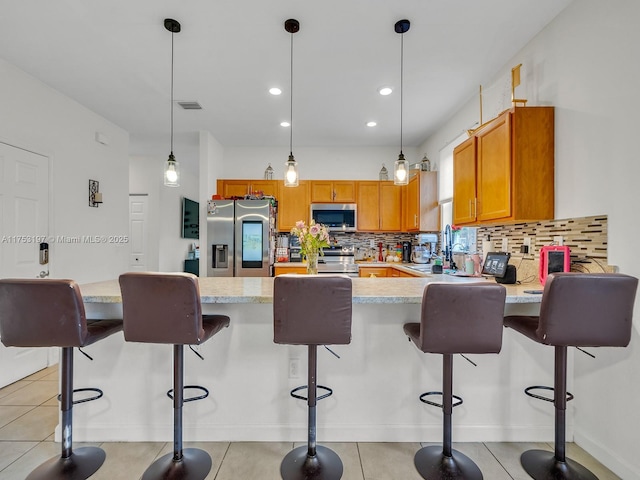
586	237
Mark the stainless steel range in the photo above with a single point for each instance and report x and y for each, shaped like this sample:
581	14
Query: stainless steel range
338	259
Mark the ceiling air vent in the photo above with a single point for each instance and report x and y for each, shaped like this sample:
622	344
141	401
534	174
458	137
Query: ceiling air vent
190	105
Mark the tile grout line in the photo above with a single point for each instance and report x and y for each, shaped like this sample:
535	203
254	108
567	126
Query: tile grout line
497	460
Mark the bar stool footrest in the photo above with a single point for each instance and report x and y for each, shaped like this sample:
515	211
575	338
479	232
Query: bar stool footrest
83	400
320	387
528	390
191	399
439	405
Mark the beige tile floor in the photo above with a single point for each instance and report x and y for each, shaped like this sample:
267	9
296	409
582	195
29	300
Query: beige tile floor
29	413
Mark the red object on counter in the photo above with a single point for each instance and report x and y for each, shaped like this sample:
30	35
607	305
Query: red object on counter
380	257
554	258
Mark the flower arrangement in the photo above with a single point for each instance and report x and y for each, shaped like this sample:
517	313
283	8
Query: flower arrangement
312	238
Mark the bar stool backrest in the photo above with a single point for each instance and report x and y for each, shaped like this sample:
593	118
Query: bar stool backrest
587	309
312	309
161	308
41	313
462	318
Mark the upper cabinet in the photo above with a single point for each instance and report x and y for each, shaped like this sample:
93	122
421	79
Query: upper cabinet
379	206
333	191
505	171
421	209
240	188
293	205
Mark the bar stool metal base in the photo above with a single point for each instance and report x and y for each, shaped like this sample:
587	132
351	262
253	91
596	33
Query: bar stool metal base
543	465
194	465
80	465
298	465
432	464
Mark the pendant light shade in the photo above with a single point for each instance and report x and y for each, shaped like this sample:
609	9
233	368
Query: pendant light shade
291	167
401	166
172	168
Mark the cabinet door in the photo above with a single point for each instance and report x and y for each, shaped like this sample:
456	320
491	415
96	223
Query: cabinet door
321	191
267	187
368	201
390	207
413	204
494	170
233	188
293	205
344	191
464	182
375	271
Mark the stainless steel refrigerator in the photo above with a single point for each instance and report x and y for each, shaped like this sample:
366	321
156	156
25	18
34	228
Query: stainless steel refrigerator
241	238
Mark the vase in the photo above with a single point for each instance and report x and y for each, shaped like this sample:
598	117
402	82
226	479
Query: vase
312	263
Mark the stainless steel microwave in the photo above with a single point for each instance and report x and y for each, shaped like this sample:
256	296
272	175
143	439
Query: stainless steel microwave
337	217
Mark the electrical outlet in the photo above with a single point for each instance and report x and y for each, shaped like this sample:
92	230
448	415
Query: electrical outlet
558	240
294	368
505	244
372	244
526	241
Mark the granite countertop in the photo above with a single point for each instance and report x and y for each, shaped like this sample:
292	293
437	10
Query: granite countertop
249	290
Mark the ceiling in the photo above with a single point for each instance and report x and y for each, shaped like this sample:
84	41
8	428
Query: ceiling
114	57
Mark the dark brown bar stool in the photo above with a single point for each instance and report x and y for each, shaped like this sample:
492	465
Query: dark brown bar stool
456	318
165	308
50	313
577	310
312	310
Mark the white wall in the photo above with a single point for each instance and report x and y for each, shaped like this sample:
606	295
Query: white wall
585	64
38	118
167	248
317	163
211	161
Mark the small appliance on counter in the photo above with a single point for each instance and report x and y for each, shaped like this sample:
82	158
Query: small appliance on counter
295	255
426	246
406	252
554	258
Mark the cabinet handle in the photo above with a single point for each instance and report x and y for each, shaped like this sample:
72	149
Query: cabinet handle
470	208
415	219
334	194
475	207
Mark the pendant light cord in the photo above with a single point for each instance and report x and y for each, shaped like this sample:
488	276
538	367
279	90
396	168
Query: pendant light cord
401	84
291	101
172	34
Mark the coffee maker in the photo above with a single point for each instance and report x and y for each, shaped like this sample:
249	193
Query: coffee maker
406	252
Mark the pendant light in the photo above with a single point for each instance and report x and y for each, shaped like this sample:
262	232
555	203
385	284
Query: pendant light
401	166
291	167
172	168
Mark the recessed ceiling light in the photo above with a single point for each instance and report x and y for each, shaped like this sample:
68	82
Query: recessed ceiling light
385	90
285	124
371	124
275	91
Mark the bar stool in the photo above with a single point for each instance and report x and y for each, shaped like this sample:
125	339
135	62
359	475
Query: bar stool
50	313
455	318
577	310
312	310
165	308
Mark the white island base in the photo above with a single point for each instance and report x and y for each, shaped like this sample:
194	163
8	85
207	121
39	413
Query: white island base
376	381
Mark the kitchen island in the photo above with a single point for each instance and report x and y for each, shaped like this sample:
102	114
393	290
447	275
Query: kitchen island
376	380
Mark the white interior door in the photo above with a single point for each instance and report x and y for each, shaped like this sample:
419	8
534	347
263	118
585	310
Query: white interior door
138	232
24	224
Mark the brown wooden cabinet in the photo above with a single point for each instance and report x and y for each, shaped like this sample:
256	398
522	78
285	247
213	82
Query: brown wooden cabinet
505	172
373	271
379	206
333	191
421	209
240	188
301	269
293	205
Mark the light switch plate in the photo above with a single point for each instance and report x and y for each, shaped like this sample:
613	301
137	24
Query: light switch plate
505	244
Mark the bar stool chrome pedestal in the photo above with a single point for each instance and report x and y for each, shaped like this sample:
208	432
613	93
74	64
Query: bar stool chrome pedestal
312	310
50	313
455	318
165	308
577	310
